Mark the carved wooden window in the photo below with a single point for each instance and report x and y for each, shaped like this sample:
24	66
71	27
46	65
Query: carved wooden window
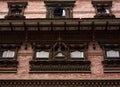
59	56
16	10
8	51
103	8
111	57
111	51
42	52
8	57
78	51
59	9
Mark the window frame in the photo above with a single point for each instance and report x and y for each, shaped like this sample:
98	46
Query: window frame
81	47
103	4
111	47
68	48
111	65
66	5
37	47
12	47
16	5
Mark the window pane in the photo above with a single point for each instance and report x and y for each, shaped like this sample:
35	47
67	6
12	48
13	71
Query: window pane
63	12
60	55
16	11
42	54
8	54
107	11
103	11
113	53
59	12
77	54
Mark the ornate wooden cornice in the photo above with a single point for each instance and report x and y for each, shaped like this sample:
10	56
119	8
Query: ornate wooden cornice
61	83
80	29
59	1
16	10
102	2
18	4
80	24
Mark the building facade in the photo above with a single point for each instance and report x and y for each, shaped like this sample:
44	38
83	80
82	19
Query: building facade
66	43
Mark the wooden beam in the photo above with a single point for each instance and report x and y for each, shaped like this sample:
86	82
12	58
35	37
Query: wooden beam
26	35
65	25
78	25
38	25
106	26
51	24
11	26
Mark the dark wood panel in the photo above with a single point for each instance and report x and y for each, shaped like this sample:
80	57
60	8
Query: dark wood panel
64	35
12	36
107	35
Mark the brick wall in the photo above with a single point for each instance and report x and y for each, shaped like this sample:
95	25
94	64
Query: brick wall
37	9
95	56
82	9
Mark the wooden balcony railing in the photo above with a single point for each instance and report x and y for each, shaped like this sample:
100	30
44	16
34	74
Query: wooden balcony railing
59	66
